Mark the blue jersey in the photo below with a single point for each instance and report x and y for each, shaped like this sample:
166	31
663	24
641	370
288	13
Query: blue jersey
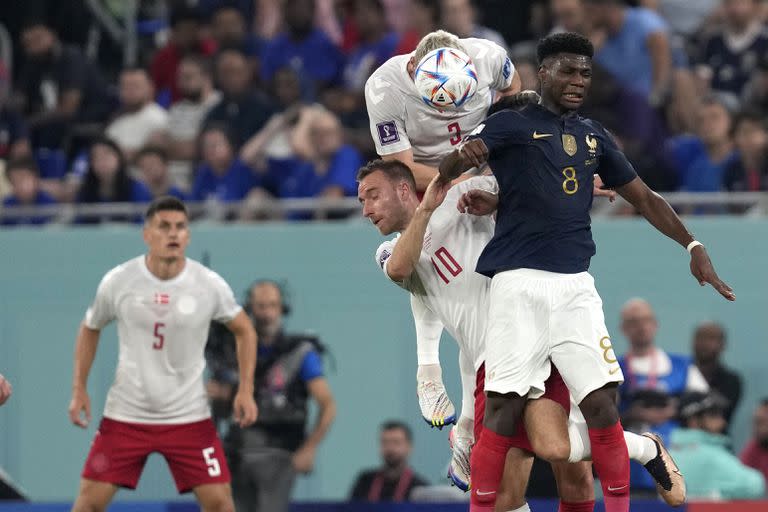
544	164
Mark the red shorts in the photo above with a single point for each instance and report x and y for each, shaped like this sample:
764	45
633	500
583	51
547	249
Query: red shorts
555	390
192	450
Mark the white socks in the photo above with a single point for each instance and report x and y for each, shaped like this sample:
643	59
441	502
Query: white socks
640	448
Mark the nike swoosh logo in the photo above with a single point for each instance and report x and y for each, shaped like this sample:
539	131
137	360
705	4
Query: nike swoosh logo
614	371
540	135
617	488
481	493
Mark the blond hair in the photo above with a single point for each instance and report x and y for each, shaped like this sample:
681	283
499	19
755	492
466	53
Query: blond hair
435	40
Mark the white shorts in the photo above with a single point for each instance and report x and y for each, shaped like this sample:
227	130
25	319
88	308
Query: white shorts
537	316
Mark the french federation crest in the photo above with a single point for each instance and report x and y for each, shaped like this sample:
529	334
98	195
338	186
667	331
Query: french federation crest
569	144
592	144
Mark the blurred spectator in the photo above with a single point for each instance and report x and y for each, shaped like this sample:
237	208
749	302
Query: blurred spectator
152	163
274	140
684	17
528	71
423	18
25	191
221	175
325	166
653	381
229	29
755	453
395	479
58	86
708	344
266	457
187	37
699	161
240	108
730	55
14	136
377	44
703	453
185	117
749	170
460	17
139	116
316	60
567	16
107	181
756	90
636	48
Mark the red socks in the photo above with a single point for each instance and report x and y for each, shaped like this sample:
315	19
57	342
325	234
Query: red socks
584	506
487	466
611	462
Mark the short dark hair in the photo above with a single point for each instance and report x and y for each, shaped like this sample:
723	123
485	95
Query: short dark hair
165	203
398	425
22	164
394	169
564	42
157	151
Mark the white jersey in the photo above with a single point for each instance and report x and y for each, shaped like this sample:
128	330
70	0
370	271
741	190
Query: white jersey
400	120
162	327
446	292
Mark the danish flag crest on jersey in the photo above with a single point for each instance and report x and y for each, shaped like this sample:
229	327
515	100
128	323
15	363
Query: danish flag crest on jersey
162	298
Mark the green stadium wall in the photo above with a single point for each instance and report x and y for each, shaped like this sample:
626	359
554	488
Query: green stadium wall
48	277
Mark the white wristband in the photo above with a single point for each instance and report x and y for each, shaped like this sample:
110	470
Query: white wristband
693	244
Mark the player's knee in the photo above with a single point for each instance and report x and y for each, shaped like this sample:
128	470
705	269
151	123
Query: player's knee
599	407
223	504
551	450
86	505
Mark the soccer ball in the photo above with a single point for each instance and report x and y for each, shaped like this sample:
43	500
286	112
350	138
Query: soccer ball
446	78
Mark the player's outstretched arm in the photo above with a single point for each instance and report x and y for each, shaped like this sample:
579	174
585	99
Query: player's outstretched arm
244	405
5	389
659	213
85	352
473	153
406	252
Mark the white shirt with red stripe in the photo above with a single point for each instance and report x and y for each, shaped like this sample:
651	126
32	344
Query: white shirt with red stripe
446	292
162	327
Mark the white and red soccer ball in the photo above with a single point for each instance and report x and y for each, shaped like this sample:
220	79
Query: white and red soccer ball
446	78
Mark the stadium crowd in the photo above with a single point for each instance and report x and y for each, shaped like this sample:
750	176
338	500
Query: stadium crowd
253	100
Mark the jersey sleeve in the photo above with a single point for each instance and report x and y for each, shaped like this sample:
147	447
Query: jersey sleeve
486	183
428	331
227	307
491	60
614	168
102	310
386	116
500	130
384	252
311	366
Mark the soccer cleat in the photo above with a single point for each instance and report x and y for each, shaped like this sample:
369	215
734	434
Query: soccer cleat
669	481
458	470
436	407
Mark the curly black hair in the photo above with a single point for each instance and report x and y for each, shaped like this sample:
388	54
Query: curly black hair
564	42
